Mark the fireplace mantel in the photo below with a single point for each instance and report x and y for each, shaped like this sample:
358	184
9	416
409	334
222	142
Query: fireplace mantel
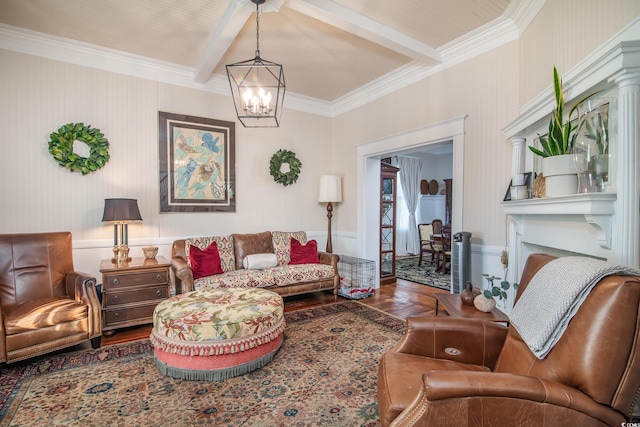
603	225
598	209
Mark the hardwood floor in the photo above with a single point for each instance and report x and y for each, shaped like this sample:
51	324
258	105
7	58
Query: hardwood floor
401	299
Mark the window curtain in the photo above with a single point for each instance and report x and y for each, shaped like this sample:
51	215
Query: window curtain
410	174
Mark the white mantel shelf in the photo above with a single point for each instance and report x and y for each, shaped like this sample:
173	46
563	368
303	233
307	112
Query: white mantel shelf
576	204
598	210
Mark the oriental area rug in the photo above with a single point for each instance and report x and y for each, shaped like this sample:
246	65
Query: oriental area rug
325	374
407	268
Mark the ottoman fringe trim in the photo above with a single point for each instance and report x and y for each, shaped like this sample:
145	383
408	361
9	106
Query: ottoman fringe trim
216	347
215	374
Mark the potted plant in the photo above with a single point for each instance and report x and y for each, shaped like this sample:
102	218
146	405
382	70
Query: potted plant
558	165
486	300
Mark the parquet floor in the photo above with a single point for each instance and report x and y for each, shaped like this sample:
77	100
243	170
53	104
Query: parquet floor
402	299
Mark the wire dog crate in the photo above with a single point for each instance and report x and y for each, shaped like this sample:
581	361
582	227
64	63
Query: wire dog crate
357	277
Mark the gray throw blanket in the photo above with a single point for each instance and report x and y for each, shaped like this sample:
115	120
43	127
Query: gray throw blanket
554	295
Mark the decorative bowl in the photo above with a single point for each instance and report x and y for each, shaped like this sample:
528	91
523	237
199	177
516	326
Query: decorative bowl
150	252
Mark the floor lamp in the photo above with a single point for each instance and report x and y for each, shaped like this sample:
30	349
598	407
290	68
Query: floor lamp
330	192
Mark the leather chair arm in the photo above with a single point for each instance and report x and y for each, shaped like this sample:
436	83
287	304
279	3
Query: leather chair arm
82	288
509	399
453	338
332	260
329	259
73	284
183	274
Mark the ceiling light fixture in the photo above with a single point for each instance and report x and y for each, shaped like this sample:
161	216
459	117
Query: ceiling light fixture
257	87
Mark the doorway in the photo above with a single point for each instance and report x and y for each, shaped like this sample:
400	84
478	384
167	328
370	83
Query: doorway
368	186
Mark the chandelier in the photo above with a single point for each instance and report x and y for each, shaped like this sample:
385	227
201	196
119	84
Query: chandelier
257	87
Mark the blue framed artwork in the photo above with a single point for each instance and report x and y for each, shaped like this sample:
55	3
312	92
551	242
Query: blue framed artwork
197	164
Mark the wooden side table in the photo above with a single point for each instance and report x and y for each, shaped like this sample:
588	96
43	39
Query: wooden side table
454	306
131	290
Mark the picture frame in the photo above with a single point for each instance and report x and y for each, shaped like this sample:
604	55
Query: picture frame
196	158
527	183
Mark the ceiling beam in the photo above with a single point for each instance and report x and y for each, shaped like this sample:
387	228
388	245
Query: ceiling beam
339	16
227	29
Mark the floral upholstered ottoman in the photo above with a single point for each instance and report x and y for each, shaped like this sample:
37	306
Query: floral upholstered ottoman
216	334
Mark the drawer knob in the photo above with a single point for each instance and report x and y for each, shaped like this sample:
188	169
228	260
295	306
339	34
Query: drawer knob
158	277
115	314
116	281
116	298
158	293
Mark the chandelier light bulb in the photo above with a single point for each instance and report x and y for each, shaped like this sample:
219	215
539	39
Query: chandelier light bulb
247	97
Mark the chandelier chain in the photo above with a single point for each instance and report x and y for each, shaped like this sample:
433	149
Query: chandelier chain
257	30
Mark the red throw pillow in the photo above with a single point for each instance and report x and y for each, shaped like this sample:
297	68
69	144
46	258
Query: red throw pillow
304	254
205	262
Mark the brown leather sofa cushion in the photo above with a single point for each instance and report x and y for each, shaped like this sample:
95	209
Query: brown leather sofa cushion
249	244
41	313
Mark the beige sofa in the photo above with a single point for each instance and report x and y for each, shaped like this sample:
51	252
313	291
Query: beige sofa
284	279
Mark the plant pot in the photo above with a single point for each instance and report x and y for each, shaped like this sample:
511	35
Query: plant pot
484	304
561	177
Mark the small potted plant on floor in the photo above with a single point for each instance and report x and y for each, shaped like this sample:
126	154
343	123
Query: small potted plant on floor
486	300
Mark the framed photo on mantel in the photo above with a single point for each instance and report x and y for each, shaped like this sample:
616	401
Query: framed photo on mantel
527	185
197	164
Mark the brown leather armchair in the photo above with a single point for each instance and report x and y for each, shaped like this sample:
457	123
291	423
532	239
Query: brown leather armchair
44	304
459	372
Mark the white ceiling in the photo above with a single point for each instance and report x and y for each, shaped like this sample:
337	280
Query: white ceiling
331	50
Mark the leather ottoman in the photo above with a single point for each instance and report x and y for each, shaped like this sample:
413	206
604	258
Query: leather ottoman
216	334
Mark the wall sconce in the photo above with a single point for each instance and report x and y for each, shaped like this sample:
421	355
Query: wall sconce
121	212
330	192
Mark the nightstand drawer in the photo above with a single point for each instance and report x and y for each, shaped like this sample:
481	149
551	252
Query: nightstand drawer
135	279
114	317
115	298
131	290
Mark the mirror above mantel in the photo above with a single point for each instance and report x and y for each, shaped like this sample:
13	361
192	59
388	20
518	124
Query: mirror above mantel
604	225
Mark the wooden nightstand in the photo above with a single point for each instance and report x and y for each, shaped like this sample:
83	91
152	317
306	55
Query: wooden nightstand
131	290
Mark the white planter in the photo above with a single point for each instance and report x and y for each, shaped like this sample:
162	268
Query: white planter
560	175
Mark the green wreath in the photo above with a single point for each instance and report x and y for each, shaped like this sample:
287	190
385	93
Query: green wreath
275	166
61	147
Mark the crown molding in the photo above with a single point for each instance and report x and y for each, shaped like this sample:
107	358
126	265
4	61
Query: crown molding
389	83
496	33
523	12
500	31
88	55
490	36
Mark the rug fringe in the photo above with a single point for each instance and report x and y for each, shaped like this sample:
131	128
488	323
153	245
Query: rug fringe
212	375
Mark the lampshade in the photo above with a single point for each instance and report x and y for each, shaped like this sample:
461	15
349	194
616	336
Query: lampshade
257	87
121	210
330	189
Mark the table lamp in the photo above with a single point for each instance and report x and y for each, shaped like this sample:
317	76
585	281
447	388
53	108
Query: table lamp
121	212
330	192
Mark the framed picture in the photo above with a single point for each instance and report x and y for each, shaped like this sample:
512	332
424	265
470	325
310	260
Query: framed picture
197	164
527	183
